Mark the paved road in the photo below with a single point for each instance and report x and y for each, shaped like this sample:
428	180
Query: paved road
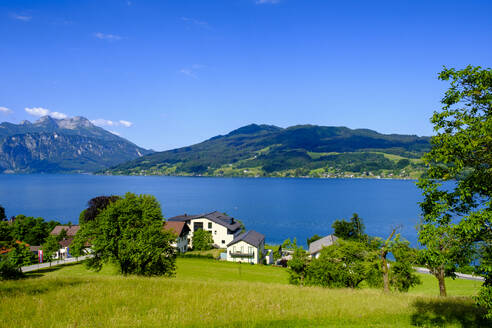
458	275
38	266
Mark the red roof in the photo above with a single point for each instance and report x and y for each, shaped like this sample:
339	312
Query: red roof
178	228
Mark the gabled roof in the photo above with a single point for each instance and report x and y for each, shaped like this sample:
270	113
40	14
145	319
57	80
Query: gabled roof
71	230
251	237
179	228
66	242
217	217
317	245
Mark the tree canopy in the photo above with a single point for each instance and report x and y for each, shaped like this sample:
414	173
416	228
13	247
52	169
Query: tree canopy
202	240
129	232
459	212
350	230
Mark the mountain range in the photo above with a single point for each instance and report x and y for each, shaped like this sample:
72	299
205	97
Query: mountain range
72	145
301	150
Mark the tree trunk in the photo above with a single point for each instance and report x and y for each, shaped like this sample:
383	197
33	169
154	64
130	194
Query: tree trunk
384	262
384	268
442	283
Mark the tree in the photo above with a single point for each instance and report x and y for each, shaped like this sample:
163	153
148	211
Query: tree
402	272
344	264
202	240
297	266
385	249
2	213
350	230
20	255
5	232
31	230
129	232
50	247
460	212
95	206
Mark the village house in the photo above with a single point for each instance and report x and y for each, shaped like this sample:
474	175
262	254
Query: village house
181	230
248	247
316	246
222	227
71	231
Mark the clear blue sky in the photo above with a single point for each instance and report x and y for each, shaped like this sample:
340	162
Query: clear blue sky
183	71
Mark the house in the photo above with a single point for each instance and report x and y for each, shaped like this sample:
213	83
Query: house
247	247
71	230
181	230
316	246
222	227
64	251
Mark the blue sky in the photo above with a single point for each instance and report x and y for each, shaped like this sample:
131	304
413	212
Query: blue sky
166	74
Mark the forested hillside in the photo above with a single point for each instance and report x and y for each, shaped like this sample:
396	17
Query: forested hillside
302	150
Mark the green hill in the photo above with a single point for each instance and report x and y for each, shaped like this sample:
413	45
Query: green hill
302	150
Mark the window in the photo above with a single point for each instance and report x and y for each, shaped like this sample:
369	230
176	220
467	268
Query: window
215	232
223	242
197	225
210	225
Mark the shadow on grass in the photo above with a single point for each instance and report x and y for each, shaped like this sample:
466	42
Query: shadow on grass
446	311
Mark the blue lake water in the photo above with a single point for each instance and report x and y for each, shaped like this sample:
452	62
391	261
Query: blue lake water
278	208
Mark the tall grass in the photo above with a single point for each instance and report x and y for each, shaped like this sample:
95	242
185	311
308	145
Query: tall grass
210	293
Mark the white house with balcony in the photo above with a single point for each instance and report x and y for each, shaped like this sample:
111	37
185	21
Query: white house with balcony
248	247
222	227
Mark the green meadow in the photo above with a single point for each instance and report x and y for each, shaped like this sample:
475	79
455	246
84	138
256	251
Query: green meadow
209	293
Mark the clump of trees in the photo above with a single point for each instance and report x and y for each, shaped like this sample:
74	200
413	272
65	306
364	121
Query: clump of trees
128	231
15	237
30	230
456	227
356	258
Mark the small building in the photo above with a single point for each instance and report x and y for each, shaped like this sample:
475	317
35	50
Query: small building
222	227
181	230
316	246
248	247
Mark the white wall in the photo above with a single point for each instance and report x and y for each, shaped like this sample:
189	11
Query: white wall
243	247
219	232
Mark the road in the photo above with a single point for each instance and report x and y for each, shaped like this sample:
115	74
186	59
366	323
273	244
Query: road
458	275
38	266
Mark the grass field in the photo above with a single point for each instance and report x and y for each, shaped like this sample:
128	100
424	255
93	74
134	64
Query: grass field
208	293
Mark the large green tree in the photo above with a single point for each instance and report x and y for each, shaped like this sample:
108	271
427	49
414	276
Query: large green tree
459	212
129	232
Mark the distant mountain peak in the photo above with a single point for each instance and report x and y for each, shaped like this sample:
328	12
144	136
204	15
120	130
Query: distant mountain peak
254	128
70	123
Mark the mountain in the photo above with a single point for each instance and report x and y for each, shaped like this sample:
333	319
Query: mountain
61	146
301	150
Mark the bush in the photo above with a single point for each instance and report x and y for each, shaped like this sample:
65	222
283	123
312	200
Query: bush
9	270
202	240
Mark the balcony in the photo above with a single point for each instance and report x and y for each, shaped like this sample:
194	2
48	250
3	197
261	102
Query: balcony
241	254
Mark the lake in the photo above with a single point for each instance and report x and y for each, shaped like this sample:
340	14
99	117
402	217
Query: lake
279	208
